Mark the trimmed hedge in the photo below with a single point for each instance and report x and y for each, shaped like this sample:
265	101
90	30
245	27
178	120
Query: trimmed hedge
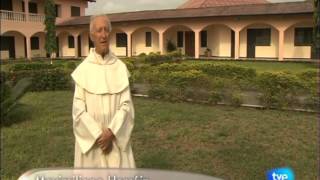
217	70
280	89
34	66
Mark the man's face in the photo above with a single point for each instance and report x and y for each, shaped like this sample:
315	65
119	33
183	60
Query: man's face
100	35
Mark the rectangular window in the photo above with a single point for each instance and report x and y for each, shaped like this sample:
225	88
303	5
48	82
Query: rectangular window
203	38
34	43
6	5
121	39
148	39
70	42
263	37
22	6
58	10
303	36
180	39
75	11
33	7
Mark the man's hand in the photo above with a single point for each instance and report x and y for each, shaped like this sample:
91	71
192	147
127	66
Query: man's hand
105	141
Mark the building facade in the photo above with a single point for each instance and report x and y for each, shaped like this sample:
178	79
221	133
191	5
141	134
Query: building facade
22	32
207	29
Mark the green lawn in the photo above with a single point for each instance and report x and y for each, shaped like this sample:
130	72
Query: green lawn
227	142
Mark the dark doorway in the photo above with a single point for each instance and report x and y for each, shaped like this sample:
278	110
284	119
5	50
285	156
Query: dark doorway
251	43
7	44
57	46
189	43
232	44
79	46
6	5
25	47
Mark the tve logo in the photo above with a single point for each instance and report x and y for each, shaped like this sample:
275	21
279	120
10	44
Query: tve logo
280	174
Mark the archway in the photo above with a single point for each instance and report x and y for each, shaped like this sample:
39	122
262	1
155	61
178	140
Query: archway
13	45
259	40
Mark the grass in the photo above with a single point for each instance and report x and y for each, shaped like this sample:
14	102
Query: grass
227	142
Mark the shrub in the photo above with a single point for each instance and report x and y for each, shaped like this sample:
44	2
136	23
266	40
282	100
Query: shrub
33	66
10	95
4	86
71	65
279	89
215	97
142	55
52	79
236	99
171	46
182	79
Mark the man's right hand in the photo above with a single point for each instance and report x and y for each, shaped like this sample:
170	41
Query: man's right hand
105	141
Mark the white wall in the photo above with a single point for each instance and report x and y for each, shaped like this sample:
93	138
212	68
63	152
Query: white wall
139	42
292	51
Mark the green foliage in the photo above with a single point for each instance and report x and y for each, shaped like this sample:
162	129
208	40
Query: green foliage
4	86
225	83
50	28
214	70
34	66
215	97
10	95
44	76
156	58
71	65
279	89
51	79
316	30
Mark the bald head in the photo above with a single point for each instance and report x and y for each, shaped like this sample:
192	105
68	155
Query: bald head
94	18
100	28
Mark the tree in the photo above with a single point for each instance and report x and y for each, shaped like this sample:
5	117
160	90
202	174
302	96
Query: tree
316	31
50	28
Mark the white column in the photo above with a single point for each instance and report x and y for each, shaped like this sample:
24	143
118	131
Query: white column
281	42
75	37
236	44
28	43
26	9
161	42
197	44
129	44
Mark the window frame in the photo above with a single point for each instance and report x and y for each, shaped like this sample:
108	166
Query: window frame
305	40
263	37
57	10
30	5
35	43
71	42
180	39
121	40
204	38
73	8
148	39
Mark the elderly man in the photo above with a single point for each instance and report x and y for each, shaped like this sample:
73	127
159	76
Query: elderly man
103	114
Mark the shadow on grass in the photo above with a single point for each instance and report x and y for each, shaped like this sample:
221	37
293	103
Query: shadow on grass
19	113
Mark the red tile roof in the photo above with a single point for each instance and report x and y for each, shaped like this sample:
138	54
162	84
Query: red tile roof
215	3
286	8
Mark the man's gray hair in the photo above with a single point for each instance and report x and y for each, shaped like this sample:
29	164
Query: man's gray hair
94	17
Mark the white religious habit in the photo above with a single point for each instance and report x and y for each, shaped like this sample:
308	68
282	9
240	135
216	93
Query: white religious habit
102	100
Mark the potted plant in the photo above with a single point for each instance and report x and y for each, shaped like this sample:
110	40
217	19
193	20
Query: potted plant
207	52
